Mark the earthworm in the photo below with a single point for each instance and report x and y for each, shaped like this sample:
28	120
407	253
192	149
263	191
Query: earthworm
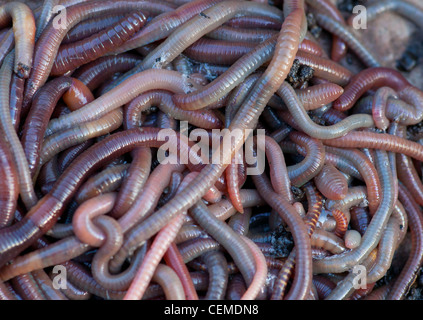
105	181
339	47
325	68
74	293
233	244
37	119
227	33
346	286
169	281
287	93
48	44
341	223
359	219
218	51
331	183
405	9
189	232
218	275
372	235
24	176
113	240
374	78
24	33
195	248
261	271
197	27
153	257
16	97
367	171
278	171
345	34
396	110
9	185
173	258
352	239
240	222
136	178
319	95
92	74
6	293
228	80
407	173
380	141
234	183
386	249
315	206
78	95
46	286
45	16
163	100
408	273
302	279
380	101
73	55
66	157
313	163
51	255
253	22
124	93
327	241
236	288
89	27
26	287
164	24
6	45
73	136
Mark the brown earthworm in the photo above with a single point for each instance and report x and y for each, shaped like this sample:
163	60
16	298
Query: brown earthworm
331	183
173	258
78	95
73	55
37	119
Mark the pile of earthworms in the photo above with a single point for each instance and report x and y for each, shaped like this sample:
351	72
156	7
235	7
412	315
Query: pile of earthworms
88	210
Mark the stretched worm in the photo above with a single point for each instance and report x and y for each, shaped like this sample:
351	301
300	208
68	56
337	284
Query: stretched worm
37	119
9	185
173	258
73	55
24	175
